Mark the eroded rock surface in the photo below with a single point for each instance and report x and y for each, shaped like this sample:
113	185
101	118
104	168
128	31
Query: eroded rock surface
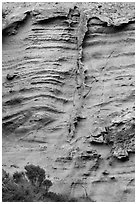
68	95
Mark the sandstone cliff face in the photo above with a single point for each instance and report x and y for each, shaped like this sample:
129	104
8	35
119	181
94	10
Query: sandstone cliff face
68	95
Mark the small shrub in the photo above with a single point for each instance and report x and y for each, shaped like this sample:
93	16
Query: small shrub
35	174
47	183
5	175
18	176
29	186
12	192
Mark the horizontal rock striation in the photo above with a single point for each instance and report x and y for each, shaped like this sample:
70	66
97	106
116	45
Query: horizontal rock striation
68	81
108	56
43	86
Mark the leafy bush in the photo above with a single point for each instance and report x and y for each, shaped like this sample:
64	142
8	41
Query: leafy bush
5	176
47	183
11	191
29	186
18	176
35	174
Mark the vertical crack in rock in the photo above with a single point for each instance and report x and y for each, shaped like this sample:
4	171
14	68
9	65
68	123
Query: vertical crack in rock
79	78
60	64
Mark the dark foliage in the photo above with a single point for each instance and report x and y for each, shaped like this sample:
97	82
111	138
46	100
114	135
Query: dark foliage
18	176
35	174
29	186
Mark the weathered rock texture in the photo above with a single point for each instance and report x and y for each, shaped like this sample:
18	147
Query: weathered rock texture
68	82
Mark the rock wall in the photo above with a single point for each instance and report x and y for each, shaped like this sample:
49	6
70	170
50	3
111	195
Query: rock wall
68	82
